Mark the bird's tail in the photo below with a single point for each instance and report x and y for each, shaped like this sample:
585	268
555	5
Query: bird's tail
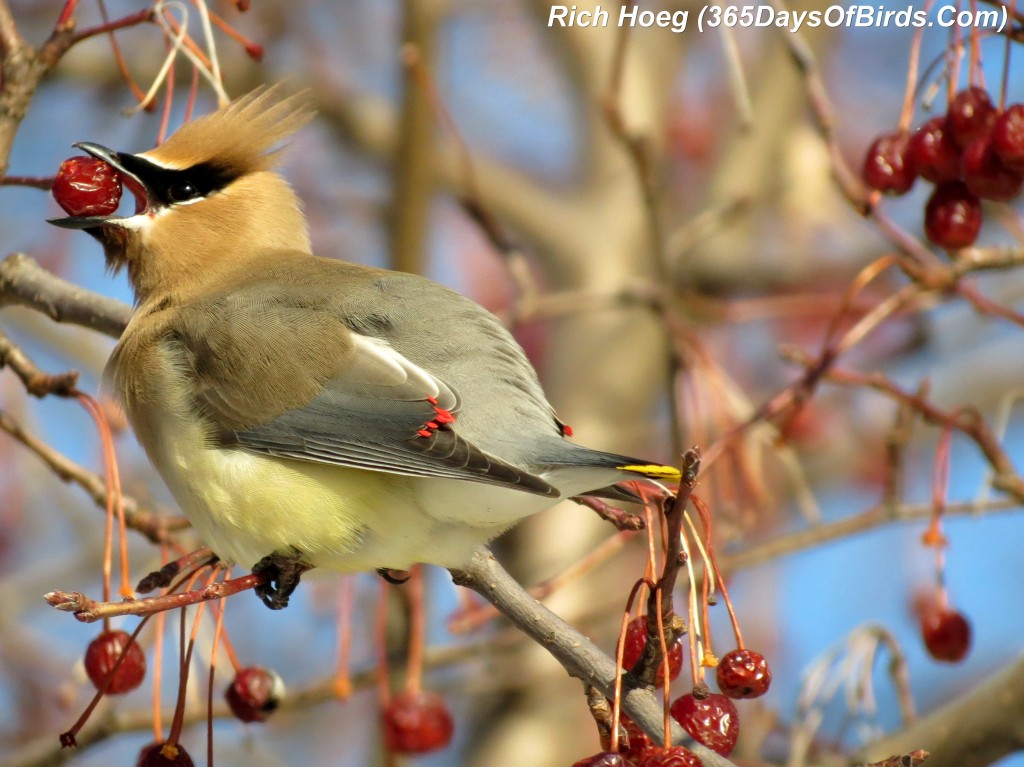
653	471
569	454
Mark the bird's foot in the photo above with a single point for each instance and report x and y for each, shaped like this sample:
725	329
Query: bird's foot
283	571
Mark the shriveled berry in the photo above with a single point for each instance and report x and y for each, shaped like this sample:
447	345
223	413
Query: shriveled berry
87	186
743	674
636	641
605	759
952	217
935	155
677	756
254	694
712	721
970	115
888	166
416	723
635	744
947	635
985	174
164	755
101	656
1008	137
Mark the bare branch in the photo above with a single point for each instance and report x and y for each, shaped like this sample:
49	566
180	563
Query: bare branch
37	382
156	527
413	170
870	519
974	730
23	282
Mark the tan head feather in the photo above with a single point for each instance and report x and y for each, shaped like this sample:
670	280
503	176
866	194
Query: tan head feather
243	136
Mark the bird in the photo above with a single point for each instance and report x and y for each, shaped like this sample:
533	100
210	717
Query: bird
306	411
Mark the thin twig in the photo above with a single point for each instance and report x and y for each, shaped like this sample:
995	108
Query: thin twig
156	527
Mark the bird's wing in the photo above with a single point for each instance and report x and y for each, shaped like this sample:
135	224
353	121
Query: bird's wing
282	375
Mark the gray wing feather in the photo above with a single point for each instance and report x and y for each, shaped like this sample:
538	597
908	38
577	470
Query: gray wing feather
360	400
333	428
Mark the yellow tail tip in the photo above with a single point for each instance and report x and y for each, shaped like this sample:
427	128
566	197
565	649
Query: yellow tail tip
654	471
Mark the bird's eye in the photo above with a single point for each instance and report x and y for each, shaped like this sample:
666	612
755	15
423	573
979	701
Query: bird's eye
180	191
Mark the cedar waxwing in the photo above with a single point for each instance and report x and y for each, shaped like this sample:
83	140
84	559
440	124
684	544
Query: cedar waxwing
306	411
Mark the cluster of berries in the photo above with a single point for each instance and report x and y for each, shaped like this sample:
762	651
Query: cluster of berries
974	152
413	723
117	665
709	718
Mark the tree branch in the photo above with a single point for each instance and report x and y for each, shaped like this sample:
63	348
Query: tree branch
976	729
23	282
577	654
156	527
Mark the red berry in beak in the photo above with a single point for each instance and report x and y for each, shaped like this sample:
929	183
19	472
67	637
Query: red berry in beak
87	186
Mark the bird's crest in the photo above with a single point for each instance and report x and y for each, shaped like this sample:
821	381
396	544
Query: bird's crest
242	137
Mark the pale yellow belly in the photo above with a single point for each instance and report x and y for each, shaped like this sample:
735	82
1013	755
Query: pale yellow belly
247	505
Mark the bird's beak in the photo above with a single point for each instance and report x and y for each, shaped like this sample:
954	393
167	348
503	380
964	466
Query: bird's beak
133	170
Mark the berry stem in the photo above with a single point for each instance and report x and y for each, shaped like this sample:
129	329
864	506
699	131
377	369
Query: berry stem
253	50
942	593
229	649
652	554
956	52
66	13
217	635
417	630
342	679
381	630
108	27
705	594
114	499
158	661
934	536
186	40
907	111
211	42
975	74
193	92
863	278
165	116
178	722
710	579
1008	42
693	615
666	697
620	648
705	515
